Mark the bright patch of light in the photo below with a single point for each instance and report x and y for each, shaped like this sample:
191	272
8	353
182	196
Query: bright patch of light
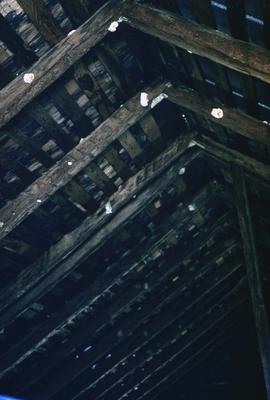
3	397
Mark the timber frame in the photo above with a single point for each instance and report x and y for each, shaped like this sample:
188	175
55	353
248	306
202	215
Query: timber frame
145	182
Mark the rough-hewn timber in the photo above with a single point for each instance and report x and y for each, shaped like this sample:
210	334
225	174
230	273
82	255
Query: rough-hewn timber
219	47
53	64
233	157
232	118
254	272
18	296
74	161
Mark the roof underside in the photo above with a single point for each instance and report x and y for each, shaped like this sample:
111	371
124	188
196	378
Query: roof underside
134	238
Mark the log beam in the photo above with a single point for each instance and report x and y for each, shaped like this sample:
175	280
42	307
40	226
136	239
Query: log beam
230	156
232	118
36	279
75	161
221	48
15	96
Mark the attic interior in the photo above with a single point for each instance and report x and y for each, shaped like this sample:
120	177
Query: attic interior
134	194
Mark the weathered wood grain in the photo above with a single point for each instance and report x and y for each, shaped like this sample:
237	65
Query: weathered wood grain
232	118
37	278
75	161
15	96
241	56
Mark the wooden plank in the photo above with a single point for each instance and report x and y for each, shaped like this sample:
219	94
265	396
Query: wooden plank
82	123
41	17
151	130
230	156
5	76
232	118
73	190
266	18
44	119
28	144
30	282
241	56
120	167
15	44
98	176
236	19
201	330
254	272
133	148
238	27
91	87
17	168
76	160
203	12
80	196
15	96
212	345
113	67
65	382
78	10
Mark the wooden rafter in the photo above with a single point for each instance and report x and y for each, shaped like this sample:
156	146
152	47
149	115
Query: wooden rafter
105	346
76	160
232	118
57	341
241	56
65	250
42	18
15	96
231	156
254	273
109	279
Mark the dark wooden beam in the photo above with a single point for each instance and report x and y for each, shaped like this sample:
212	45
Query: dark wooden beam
254	272
176	220
75	161
241	56
15	44
231	156
176	352
203	12
15	96
78	11
238	29
191	308
233	119
30	284
41	16
212	346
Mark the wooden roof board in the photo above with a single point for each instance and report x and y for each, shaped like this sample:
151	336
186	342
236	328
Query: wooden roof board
175	229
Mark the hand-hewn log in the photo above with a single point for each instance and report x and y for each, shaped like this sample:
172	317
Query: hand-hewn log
233	157
15	298
53	64
217	46
232	118
75	161
254	273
